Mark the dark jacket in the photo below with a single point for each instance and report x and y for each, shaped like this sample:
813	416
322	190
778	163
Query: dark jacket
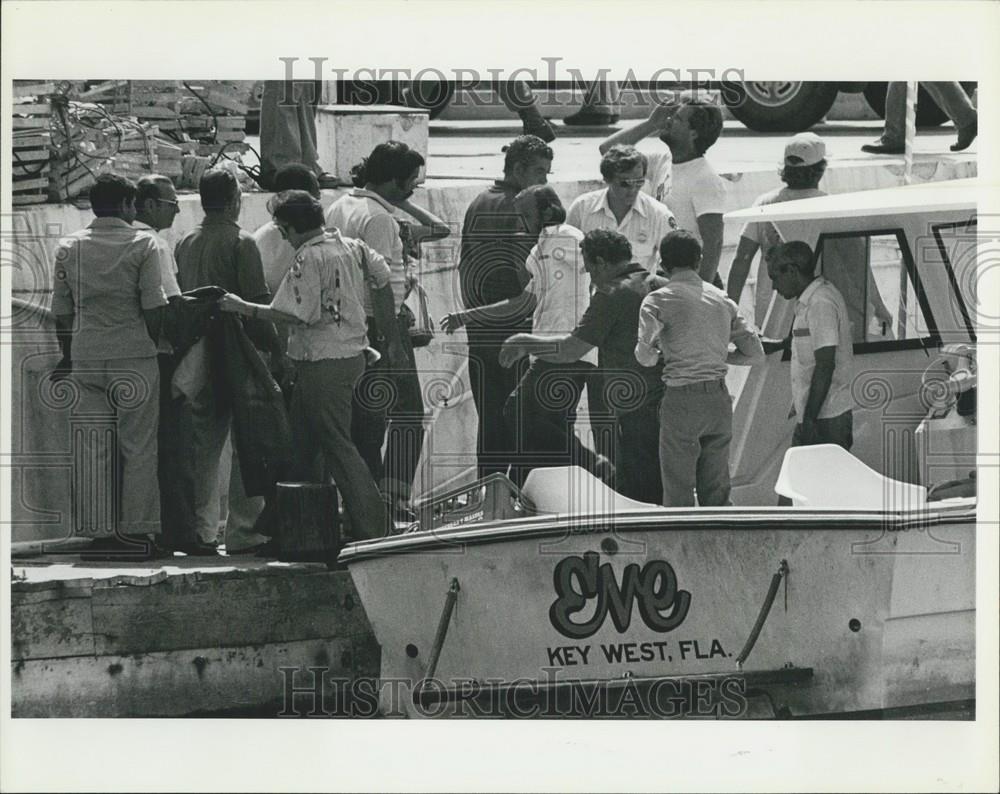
261	433
241	384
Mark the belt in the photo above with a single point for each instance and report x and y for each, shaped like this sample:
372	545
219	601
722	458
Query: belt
700	386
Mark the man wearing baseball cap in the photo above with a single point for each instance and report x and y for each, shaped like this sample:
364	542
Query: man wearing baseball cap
802	169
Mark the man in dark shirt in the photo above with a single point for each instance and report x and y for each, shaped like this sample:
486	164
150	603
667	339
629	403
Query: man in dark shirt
219	253
496	241
611	324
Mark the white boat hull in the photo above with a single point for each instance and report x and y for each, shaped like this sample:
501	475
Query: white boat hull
874	613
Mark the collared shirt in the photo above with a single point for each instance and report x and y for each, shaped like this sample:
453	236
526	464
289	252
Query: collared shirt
219	253
325	290
495	244
559	282
168	265
106	275
821	320
276	254
644	225
691	322
611	324
168	275
367	216
690	189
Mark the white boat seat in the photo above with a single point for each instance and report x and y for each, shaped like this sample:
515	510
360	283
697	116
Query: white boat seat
827	475
570	489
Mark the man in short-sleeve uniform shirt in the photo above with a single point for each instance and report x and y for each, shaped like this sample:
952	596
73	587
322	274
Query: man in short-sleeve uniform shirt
107	300
682	178
622	206
822	351
322	301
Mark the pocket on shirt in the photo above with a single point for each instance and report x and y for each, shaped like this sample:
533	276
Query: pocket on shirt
641	252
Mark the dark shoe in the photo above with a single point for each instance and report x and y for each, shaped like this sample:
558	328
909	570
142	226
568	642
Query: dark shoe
540	128
882	147
966	135
197	549
130	550
590	118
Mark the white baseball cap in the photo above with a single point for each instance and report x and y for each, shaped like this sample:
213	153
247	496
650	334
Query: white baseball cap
806	148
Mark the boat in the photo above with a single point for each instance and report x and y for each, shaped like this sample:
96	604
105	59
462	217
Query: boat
856	601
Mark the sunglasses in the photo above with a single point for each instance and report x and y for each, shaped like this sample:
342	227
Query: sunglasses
631	182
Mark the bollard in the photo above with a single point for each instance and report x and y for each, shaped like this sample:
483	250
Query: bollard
308	523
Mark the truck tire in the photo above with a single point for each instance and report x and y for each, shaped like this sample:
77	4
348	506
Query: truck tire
928	113
432	95
781	106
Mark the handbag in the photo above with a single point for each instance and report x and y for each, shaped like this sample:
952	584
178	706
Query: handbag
418	317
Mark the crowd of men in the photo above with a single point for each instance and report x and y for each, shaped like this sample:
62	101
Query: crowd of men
617	297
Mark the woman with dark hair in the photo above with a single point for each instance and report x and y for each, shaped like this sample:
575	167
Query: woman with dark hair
542	408
384	182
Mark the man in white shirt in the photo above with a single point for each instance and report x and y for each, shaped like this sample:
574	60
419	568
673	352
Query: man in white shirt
802	169
384	183
622	206
682	178
156	208
275	251
822	351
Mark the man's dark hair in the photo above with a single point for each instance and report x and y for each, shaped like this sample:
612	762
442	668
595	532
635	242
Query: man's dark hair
547	201
797	253
706	120
218	188
296	176
523	149
619	159
299	210
803	177
392	160
609	246
680	249
148	187
108	193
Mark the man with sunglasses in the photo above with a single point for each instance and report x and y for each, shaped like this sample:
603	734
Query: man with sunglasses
156	208
622	206
681	176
